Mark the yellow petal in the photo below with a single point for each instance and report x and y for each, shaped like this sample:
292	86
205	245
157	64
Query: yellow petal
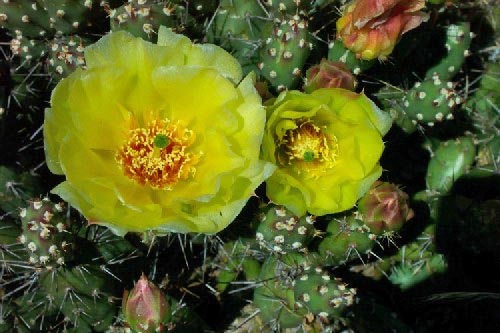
202	55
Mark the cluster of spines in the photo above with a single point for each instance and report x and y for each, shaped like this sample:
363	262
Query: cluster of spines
15	189
47	42
347	239
414	262
417	261
80	298
233	259
482	108
237	27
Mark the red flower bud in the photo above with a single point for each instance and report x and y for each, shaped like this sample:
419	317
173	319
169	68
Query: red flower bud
385	208
145	308
329	74
371	28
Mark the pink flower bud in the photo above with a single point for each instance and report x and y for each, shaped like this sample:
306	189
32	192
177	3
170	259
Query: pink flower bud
329	74
371	28
385	208
145	308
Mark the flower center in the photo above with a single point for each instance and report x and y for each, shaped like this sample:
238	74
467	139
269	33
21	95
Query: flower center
157	154
309	148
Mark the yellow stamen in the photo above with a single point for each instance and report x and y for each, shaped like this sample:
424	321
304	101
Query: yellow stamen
157	154
309	148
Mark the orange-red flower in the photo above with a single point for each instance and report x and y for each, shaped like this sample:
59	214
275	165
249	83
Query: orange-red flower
371	28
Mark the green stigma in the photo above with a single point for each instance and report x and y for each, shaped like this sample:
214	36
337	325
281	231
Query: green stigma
308	156
161	141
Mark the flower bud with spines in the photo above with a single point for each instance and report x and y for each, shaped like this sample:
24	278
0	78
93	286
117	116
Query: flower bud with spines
384	208
145	308
329	74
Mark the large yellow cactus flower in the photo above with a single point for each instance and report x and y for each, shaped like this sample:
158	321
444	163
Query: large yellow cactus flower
156	137
326	145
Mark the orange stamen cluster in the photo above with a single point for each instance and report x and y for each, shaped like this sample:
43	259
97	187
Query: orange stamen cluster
160	166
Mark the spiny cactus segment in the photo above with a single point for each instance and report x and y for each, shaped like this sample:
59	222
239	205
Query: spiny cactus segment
432	100
417	261
143	18
38	18
281	231
44	233
297	292
346	239
237	27
322	295
285	53
233	259
283	273
338	52
15	189
413	263
449	161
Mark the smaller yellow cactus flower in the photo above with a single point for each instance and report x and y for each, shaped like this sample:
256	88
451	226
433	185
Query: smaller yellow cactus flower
326	146
163	137
371	28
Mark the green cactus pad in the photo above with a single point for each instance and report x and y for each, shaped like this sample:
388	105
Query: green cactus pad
276	298
44	233
451	160
284	54
458	39
281	231
235	258
144	18
345	240
323	295
338	52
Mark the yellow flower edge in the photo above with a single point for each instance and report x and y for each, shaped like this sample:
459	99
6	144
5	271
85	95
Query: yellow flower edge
326	146
161	137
